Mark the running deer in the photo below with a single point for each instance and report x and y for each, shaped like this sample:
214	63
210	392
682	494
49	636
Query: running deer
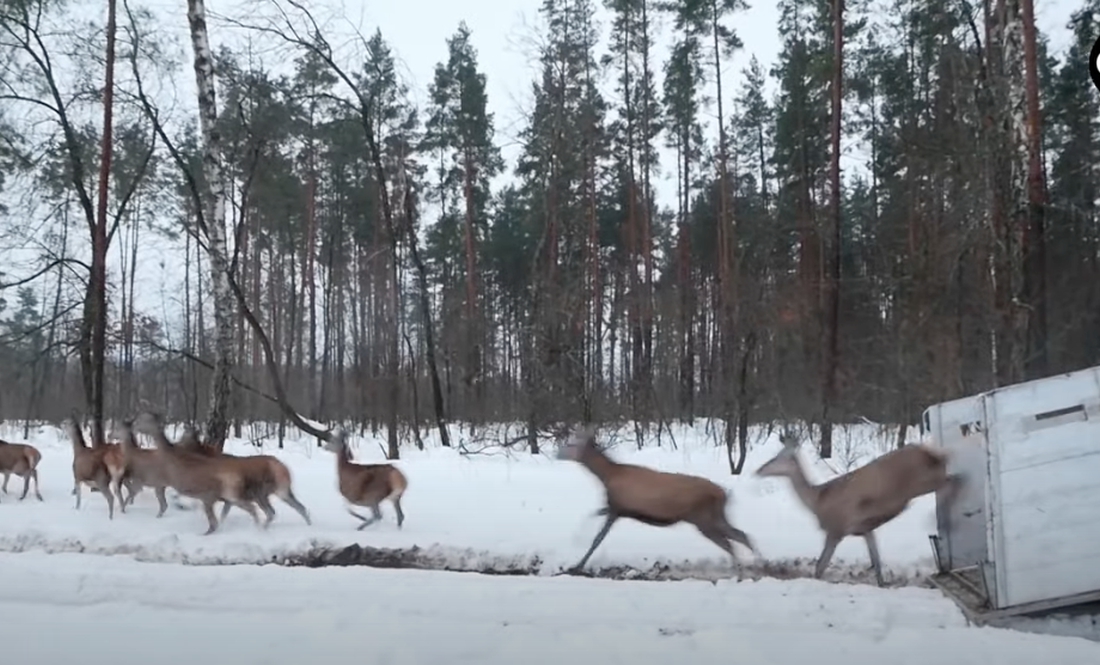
99	467
143	467
22	460
263	475
208	479
113	452
366	485
653	497
860	501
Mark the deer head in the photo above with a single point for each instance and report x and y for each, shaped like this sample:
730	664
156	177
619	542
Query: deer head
336	441
148	422
786	462
575	446
119	429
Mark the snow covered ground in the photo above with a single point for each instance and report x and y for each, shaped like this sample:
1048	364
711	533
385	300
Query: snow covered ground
483	513
473	512
72	608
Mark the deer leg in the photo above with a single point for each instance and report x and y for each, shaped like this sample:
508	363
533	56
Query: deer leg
718	537
37	492
365	520
831	542
250	508
77	492
5	485
26	485
116	484
611	517
738	536
134	488
162	501
872	551
269	512
400	514
211	518
225	510
104	486
294	503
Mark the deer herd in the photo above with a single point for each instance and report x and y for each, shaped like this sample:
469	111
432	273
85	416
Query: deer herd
853	504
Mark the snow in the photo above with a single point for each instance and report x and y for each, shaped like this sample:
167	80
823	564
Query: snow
486	513
473	512
272	614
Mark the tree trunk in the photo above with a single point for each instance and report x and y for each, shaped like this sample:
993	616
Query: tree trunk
96	303
1035	282
214	222
832	280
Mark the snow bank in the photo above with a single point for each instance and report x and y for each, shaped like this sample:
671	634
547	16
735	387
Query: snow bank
272	614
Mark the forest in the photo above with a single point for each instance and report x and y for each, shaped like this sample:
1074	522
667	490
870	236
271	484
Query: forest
346	255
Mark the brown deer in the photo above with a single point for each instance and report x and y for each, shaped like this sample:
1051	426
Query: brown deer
22	460
99	467
860	501
143	467
653	497
366	485
208	479
264	475
113	454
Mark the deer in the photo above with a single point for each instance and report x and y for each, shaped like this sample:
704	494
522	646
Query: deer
22	460
366	485
860	501
99	467
208	479
143	467
657	498
114	452
263	475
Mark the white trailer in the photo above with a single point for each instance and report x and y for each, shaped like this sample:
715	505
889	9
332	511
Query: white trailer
1024	534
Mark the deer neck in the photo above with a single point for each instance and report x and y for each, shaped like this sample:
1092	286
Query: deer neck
77	439
599	464
806	492
160	440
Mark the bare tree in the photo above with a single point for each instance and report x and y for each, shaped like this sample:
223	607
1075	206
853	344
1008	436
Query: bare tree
214	209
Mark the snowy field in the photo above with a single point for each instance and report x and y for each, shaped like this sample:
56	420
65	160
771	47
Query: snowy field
488	513
477	512
113	609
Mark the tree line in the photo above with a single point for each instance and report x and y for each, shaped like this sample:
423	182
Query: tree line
346	257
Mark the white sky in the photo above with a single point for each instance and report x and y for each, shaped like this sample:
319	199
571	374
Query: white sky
502	33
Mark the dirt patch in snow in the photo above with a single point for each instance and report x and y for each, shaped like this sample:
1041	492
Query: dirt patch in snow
317	554
485	563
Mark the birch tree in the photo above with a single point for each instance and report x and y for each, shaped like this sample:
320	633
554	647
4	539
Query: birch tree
213	225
